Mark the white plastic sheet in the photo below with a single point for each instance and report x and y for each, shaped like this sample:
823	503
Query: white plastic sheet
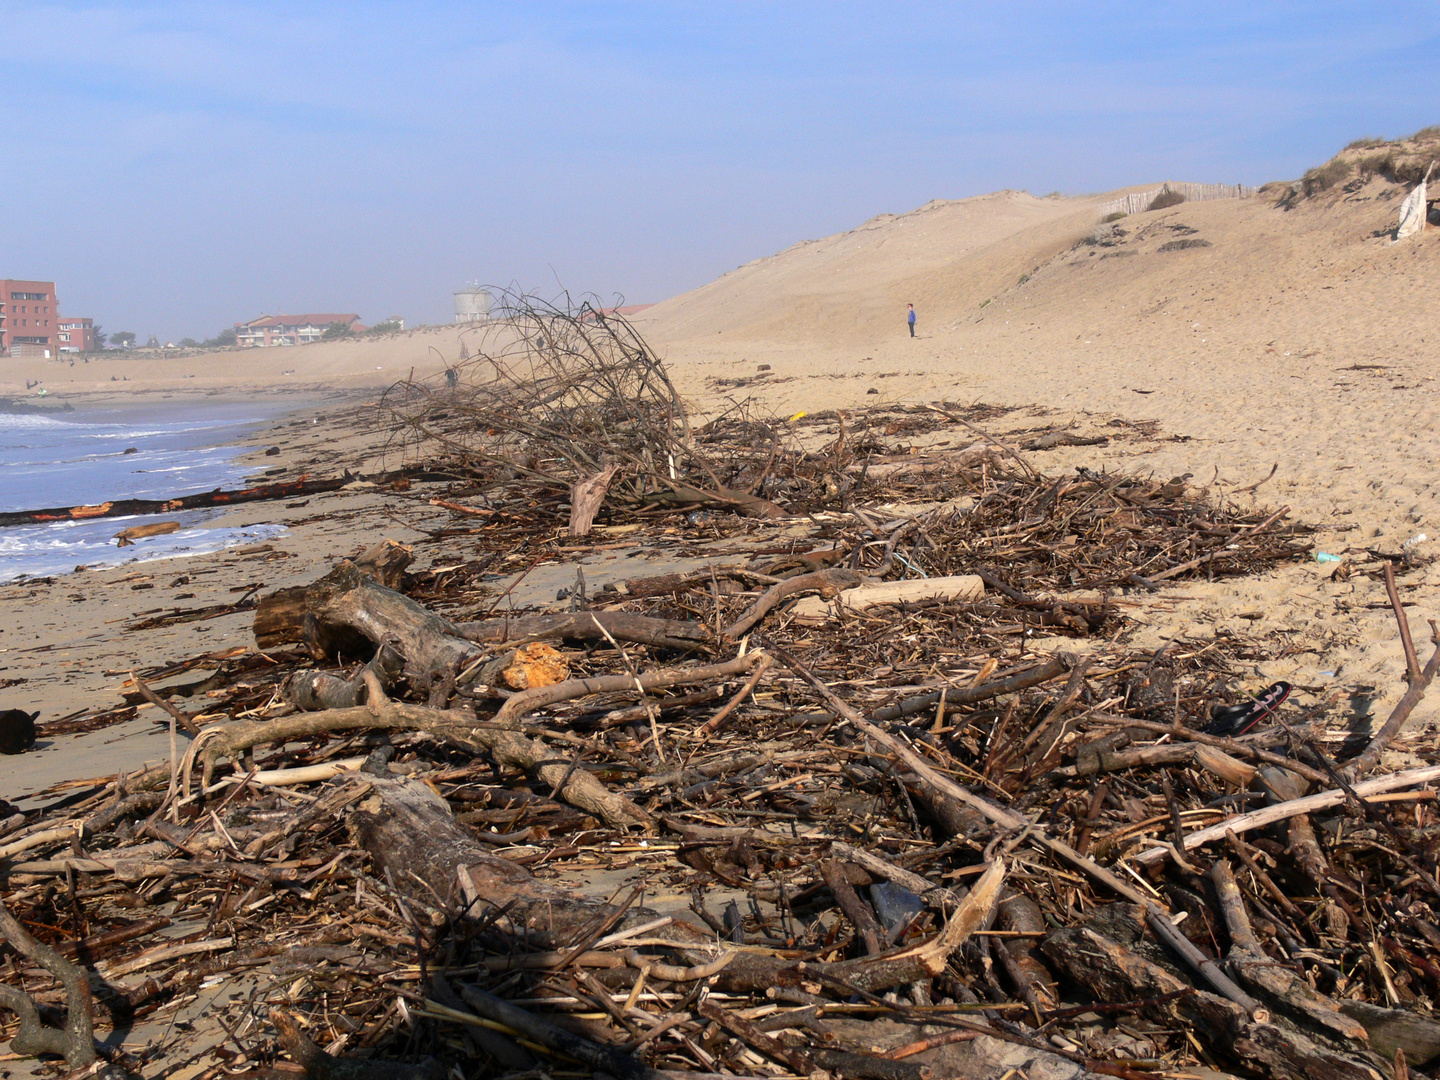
1412	210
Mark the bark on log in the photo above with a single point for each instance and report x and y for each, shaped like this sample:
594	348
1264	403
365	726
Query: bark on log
280	617
1395	1029
311	691
385	562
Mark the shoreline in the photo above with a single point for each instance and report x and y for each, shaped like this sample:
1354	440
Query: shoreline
68	648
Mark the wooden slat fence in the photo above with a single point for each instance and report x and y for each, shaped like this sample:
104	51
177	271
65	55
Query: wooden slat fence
1134	204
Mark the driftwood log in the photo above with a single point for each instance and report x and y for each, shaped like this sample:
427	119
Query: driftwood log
508	746
409	831
591	626
1111	972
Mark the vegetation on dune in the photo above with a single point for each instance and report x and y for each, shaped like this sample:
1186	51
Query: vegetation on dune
1398	161
1167	197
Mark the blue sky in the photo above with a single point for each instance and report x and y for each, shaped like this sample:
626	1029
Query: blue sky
176	167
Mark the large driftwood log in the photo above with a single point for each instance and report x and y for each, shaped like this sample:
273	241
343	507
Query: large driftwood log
1110	972
345	602
588	626
280	615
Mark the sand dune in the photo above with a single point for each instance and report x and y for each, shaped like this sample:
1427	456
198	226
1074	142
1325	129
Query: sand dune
1248	345
1302	338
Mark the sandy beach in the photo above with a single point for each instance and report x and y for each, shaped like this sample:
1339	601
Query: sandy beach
1280	359
1295	339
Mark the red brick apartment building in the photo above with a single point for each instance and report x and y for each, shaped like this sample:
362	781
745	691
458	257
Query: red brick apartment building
29	324
76	335
288	329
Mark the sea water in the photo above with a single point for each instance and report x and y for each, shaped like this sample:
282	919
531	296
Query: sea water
80	458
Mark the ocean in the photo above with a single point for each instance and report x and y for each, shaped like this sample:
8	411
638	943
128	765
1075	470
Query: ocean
75	458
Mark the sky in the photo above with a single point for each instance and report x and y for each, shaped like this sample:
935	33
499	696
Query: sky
178	167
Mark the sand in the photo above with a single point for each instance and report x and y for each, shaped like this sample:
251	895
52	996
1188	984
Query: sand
1296	338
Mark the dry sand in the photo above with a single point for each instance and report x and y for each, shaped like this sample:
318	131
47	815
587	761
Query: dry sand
1297	338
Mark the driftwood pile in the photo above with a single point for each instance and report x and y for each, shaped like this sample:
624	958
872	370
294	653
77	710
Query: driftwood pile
682	828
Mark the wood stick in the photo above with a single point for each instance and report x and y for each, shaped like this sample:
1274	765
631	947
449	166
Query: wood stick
856	910
1257	819
997	814
1412	662
1231	746
710	726
76	1041
1203	559
530	700
1276	893
1370	756
155	699
968	695
1206	967
1232	906
831	580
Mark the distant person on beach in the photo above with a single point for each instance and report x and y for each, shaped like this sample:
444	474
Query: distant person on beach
910	318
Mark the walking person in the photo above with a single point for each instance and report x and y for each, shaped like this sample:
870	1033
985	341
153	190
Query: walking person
910	318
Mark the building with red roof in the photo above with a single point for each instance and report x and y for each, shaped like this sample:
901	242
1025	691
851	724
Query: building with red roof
290	329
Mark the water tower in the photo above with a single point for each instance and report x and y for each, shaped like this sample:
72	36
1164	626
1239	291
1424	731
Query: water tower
472	304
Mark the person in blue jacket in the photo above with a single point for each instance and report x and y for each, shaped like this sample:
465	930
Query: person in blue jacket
910	318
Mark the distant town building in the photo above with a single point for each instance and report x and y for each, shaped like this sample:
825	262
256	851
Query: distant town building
76	335
28	318
289	329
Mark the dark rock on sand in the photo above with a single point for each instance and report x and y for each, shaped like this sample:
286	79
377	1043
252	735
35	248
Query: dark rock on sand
17	731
